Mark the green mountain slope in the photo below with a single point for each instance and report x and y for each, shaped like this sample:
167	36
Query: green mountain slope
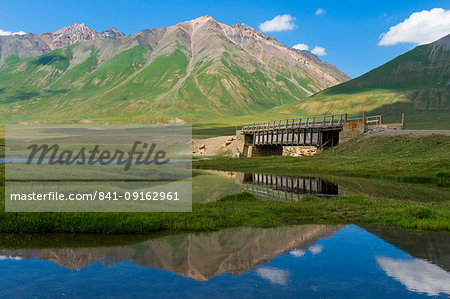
417	82
192	71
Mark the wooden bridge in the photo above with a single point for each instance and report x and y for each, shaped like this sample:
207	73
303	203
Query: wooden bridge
318	131
268	137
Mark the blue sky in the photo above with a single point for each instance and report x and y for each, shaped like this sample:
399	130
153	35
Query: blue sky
349	31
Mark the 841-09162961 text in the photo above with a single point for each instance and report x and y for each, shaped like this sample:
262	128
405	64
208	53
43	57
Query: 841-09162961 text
97	195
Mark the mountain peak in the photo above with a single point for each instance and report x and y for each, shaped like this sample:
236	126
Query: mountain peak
69	35
203	19
74	27
197	22
112	32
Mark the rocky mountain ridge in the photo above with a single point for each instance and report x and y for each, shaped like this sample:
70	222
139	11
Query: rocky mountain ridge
31	45
193	70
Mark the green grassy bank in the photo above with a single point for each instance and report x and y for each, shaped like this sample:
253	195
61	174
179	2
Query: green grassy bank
403	158
241	209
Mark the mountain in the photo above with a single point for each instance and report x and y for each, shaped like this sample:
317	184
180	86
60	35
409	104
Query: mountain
417	82
194	70
16	47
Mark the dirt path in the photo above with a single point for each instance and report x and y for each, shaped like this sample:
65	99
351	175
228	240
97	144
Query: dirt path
214	146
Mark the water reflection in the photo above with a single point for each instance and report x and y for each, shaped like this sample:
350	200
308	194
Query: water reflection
293	261
417	275
229	251
273	275
210	185
285	187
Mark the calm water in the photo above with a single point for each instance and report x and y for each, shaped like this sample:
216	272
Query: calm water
285	262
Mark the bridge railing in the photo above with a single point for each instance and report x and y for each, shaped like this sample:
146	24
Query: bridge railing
293	123
370	120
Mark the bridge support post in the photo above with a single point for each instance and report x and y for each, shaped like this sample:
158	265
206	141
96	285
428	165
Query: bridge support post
365	121
351	130
244	143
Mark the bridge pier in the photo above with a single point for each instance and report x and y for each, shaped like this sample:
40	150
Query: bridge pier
265	150
351	130
247	148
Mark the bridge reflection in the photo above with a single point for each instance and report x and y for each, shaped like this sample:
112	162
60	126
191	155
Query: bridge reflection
284	187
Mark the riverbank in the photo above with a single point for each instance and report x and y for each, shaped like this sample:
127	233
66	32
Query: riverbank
401	158
241	209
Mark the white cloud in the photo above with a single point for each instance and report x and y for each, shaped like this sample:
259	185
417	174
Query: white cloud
316	249
298	252
301	47
420	28
274	275
417	275
320	11
319	51
3	32
279	23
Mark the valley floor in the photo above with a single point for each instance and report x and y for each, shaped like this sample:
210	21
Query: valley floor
422	160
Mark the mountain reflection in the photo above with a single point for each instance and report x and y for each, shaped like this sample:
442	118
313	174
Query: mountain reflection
199	256
305	261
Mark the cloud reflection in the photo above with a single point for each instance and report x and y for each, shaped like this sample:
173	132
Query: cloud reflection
7	257
274	275
298	252
316	249
417	275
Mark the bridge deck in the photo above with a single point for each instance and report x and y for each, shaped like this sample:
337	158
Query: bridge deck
322	122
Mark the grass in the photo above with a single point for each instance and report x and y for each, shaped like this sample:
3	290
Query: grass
242	209
406	158
401	158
